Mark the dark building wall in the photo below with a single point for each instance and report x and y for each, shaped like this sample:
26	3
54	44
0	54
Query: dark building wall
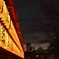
4	54
8	57
32	55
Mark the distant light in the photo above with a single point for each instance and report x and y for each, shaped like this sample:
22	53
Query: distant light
36	55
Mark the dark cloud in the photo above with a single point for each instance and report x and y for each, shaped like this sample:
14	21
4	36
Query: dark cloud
36	2
23	8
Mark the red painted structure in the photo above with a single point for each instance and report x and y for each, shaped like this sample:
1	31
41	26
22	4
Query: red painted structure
12	11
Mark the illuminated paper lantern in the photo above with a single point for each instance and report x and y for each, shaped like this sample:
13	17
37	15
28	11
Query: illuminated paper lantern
9	39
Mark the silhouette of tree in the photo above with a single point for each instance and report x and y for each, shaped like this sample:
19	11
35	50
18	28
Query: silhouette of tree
29	48
40	50
53	47
53	13
48	23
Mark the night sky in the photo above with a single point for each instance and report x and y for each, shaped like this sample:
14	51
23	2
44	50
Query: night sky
28	10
